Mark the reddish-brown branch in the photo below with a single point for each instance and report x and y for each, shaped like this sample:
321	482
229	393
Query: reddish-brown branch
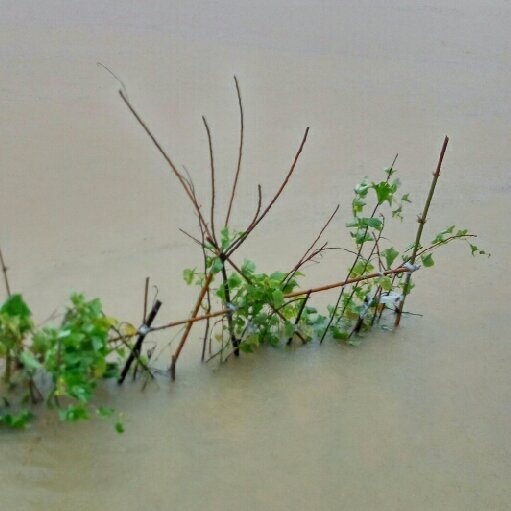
189	325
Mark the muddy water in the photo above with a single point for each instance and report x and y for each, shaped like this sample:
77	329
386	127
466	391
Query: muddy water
418	419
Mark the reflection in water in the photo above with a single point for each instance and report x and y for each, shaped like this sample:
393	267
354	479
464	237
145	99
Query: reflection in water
417	419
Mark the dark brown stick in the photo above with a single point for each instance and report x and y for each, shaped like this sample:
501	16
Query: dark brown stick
135	353
299	315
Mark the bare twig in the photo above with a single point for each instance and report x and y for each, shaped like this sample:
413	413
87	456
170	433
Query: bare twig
308	255
167	158
4	270
212	167
146	295
240	153
236	244
422	221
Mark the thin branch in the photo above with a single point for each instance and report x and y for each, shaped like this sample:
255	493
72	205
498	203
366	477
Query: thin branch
212	167
146	294
357	257
306	257
167	158
422	221
191	237
189	326
240	153
4	270
251	227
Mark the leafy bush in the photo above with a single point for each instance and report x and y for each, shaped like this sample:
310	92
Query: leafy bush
69	360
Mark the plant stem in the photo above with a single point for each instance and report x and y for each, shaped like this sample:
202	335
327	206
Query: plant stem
212	167
4	270
240	153
189	326
227	303
422	221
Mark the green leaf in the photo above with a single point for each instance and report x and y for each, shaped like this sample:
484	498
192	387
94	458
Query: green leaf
277	298
427	260
225	238
188	274
406	198
385	283
357	205
289	329
248	266
16	421
234	281
29	361
362	188
384	192
217	265
105	411
339	334
119	427
390	255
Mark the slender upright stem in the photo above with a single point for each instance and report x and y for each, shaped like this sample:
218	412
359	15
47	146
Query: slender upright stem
4	270
189	324
422	221
212	167
240	153
357	257
227	304
236	244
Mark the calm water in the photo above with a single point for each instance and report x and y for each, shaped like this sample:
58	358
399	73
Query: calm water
418	419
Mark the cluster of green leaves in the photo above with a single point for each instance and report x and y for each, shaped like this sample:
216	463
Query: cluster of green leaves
73	356
260	312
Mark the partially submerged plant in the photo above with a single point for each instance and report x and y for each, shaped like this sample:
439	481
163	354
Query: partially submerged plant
61	365
70	359
266	308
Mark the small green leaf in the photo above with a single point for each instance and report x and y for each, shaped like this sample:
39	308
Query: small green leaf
29	361
390	255
277	298
248	266
217	265
188	274
119	427
105	411
427	260
384	192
